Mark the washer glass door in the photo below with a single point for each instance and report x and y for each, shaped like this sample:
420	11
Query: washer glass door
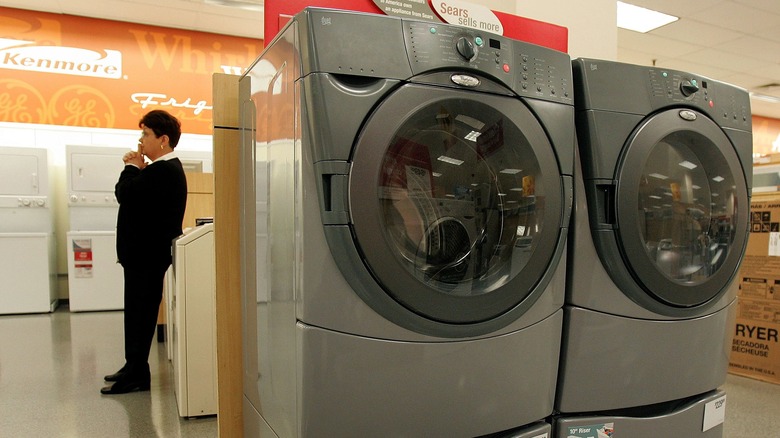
682	208
456	205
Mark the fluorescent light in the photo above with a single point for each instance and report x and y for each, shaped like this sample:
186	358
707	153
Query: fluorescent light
240	4
510	171
471	121
718	178
658	175
640	19
765	97
472	136
687	164
450	160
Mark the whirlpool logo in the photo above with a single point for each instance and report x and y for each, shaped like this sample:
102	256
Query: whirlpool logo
27	56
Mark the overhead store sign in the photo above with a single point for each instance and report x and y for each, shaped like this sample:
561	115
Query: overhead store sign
27	56
458	12
76	71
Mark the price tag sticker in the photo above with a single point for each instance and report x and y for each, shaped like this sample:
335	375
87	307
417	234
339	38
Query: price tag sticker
714	413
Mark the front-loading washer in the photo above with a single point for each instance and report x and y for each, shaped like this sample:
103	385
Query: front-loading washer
659	228
406	199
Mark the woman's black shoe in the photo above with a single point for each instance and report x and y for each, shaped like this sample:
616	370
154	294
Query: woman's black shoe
123	387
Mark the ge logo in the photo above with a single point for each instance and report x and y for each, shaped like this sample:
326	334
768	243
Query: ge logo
325	21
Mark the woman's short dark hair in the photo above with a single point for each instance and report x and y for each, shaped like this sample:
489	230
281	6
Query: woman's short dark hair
162	123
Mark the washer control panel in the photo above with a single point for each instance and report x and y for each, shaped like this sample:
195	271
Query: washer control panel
527	69
431	46
544	73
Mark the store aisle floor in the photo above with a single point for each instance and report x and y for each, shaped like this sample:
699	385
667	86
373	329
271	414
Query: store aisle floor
51	372
52	368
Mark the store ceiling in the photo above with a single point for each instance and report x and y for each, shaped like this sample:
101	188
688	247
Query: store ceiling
736	41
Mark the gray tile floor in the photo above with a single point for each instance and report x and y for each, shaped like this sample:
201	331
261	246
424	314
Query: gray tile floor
52	367
51	372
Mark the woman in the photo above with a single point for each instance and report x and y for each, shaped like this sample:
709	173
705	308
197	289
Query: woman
152	199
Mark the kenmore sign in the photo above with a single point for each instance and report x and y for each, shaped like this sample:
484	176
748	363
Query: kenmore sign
23	55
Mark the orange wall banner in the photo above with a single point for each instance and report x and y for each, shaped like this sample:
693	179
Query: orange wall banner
75	71
766	135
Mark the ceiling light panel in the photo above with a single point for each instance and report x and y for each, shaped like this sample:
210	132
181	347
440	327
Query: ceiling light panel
641	19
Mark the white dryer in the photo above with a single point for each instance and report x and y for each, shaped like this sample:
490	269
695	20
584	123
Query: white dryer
192	322
95	278
407	190
26	232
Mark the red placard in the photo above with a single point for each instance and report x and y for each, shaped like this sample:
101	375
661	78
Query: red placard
278	12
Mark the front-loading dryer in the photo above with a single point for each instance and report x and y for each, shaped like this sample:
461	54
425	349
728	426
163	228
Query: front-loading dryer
406	198
659	229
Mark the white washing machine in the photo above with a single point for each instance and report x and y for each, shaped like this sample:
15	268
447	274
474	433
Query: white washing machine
26	232
406	198
659	229
95	278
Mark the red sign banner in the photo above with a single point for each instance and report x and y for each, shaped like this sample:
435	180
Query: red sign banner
459	12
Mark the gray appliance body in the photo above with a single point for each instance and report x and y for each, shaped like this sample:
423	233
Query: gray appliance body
405	208
689	418
659	228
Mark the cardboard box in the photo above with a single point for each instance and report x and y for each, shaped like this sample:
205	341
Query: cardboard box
755	350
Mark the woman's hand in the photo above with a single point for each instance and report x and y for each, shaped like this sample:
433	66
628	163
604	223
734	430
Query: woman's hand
135	158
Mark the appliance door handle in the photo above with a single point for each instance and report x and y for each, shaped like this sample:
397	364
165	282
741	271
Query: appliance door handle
603	196
333	187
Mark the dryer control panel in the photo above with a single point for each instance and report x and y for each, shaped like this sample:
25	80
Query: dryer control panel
637	89
87	199
24	202
726	104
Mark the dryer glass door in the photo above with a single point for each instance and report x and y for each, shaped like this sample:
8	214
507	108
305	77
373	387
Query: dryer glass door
682	208
456	204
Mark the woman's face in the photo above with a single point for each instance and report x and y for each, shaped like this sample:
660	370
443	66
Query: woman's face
149	144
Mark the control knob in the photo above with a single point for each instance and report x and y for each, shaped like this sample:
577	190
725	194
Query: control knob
688	87
465	48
